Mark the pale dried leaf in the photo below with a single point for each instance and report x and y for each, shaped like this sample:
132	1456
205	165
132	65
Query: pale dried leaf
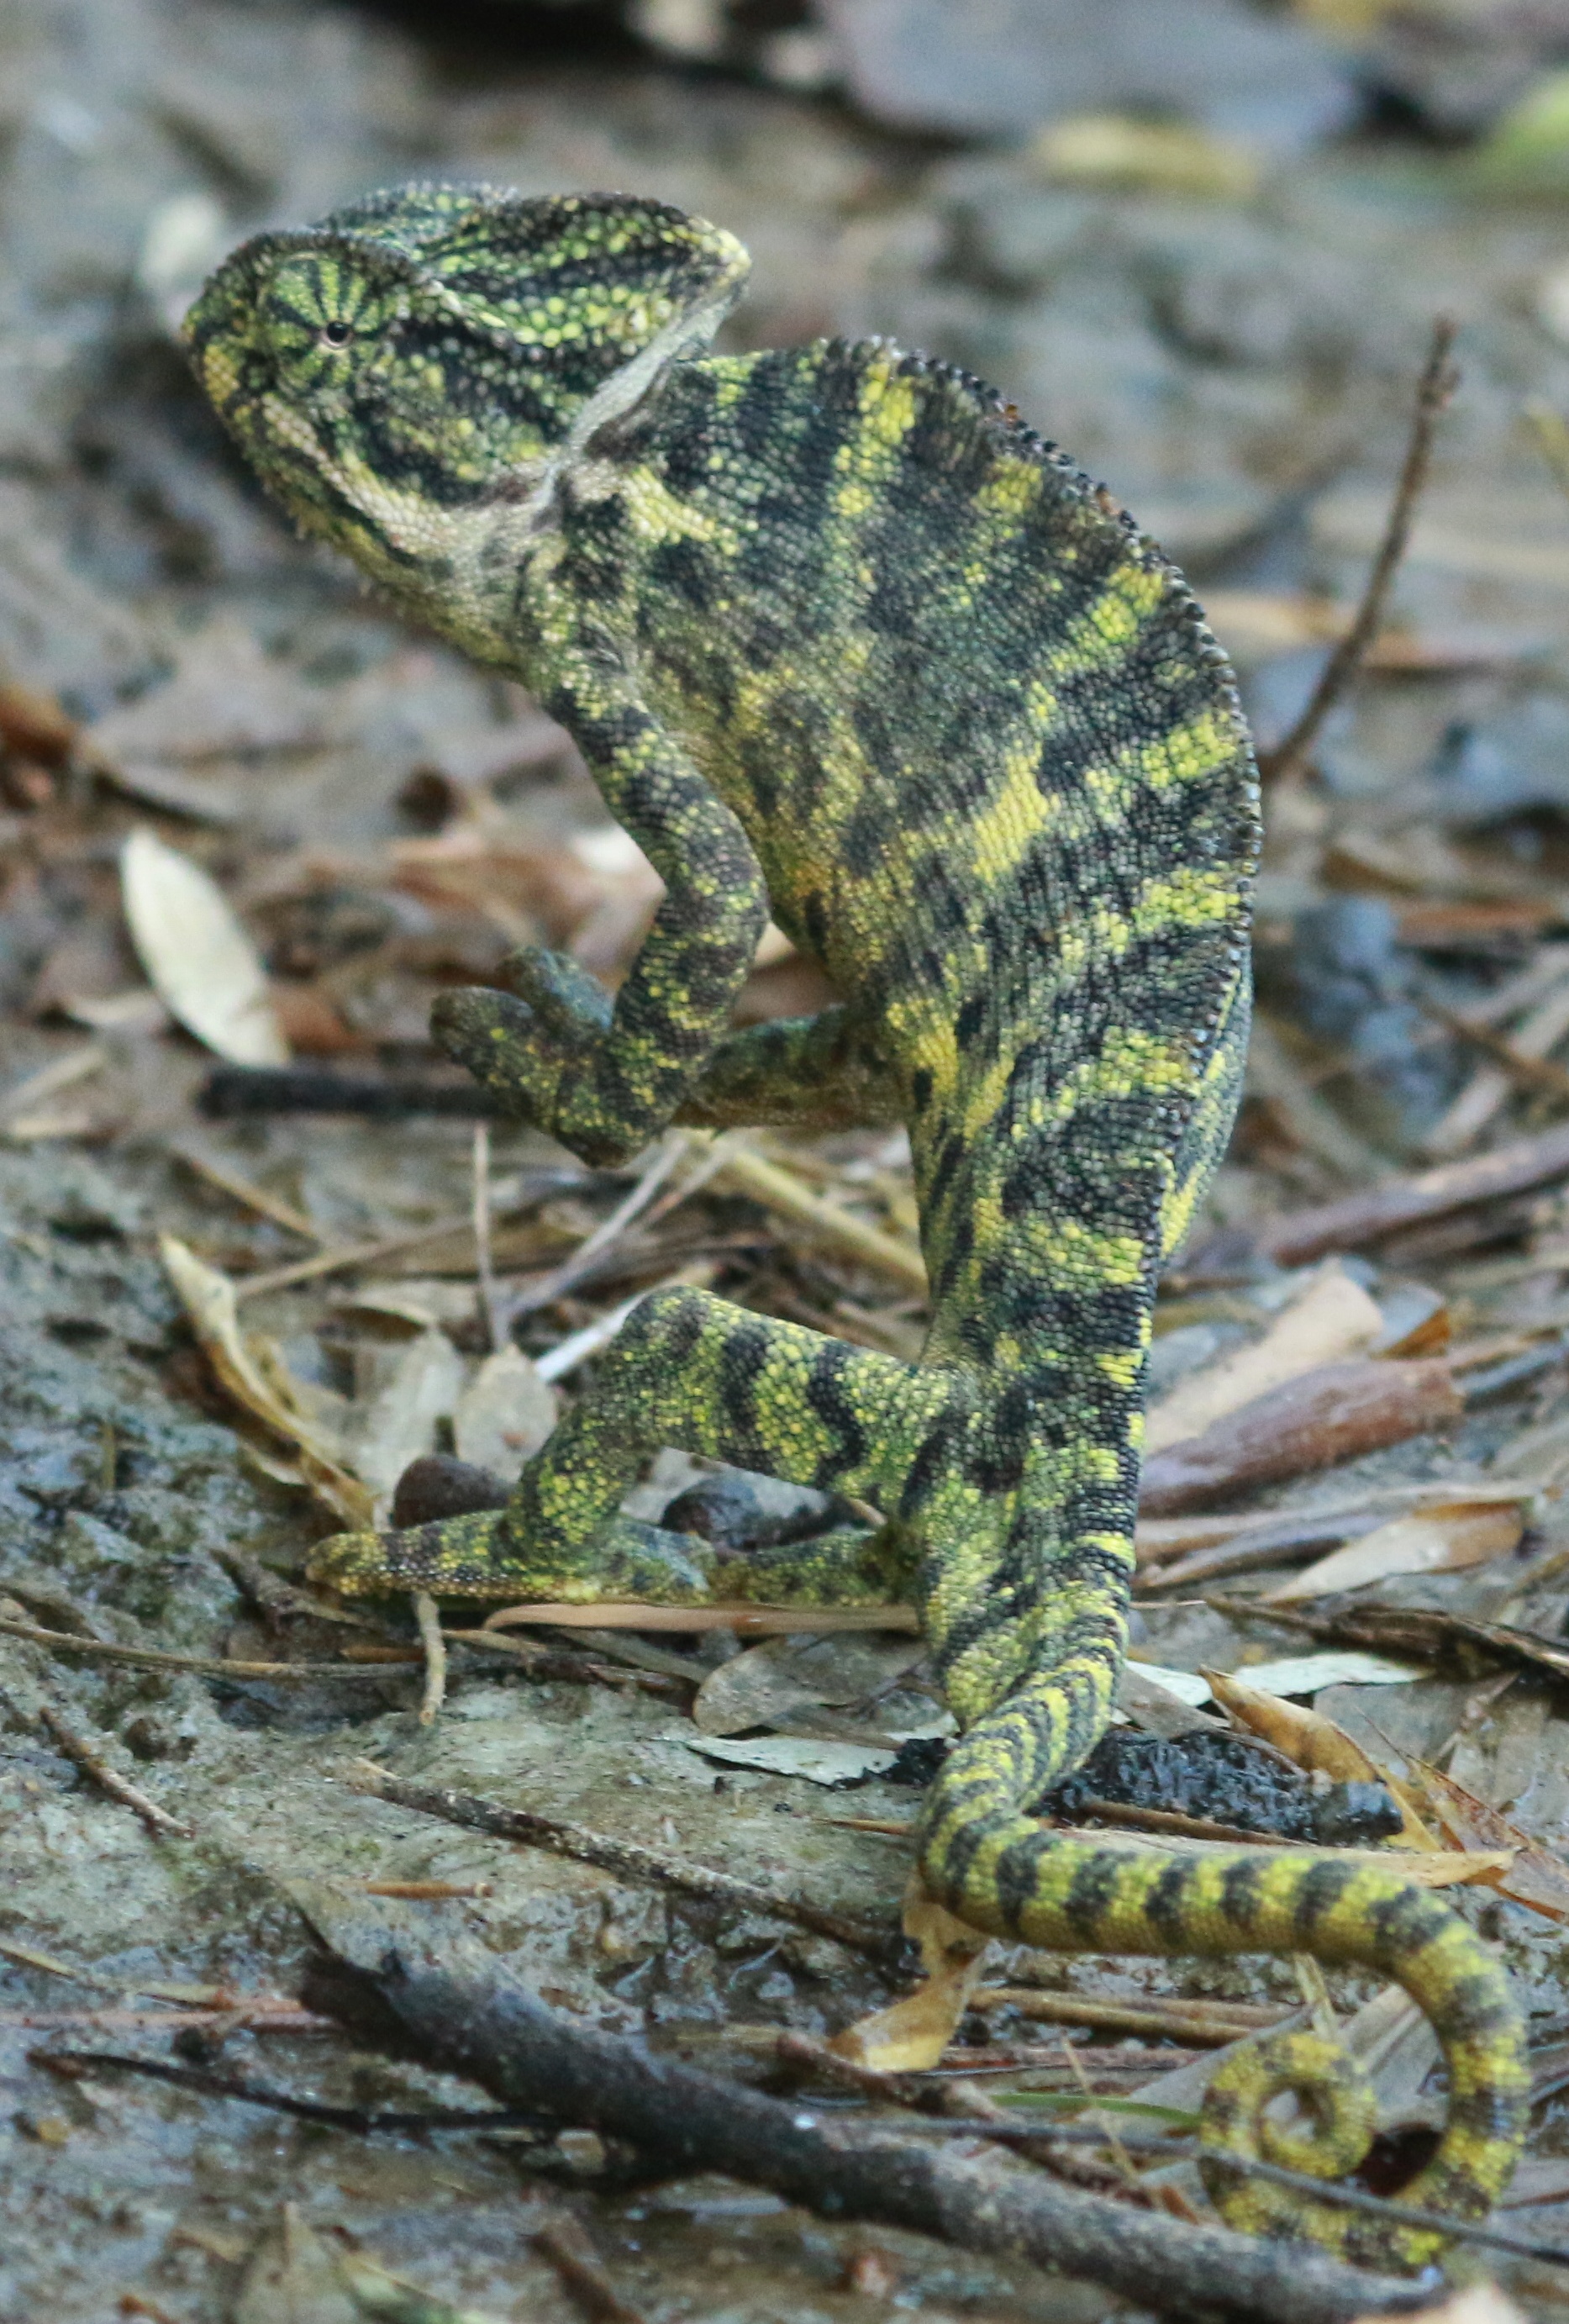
1187	1686
1481	2304
208	1297
911	2036
401	1421
1331	1317
1441	1540
785	1677
199	960
504	1414
794	1755
1329	1666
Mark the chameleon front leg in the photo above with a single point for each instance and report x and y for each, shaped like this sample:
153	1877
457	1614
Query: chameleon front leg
796	1072
691	1370
605	1080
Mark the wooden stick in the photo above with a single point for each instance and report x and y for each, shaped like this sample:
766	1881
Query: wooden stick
1375	1211
627	1856
472	2015
428	1618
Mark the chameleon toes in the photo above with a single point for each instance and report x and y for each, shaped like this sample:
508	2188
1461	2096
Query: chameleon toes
505	1047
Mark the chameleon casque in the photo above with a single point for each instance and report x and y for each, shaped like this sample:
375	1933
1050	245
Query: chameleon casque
835	632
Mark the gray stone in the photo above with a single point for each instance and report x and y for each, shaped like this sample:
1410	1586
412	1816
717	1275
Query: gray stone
1003	66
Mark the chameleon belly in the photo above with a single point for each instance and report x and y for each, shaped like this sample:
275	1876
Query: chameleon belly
838	636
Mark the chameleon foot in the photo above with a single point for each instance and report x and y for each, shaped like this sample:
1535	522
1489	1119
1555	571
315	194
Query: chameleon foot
479	1556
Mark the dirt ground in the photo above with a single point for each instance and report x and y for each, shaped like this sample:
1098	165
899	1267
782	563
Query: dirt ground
1230	332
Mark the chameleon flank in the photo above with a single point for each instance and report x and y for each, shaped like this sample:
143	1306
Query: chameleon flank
837	633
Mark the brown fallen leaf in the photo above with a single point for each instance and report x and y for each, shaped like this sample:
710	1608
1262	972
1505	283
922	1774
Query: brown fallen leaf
911	2034
1530	1875
1441	1540
1331	1316
208	1297
1335	1412
1314	1742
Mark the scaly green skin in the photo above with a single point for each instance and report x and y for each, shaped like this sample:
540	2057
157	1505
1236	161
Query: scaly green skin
835	631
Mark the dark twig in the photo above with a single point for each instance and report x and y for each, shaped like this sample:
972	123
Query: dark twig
470	2015
230	1091
566	2247
363	2119
624	1855
154	1658
109	1780
1533	1072
1439	380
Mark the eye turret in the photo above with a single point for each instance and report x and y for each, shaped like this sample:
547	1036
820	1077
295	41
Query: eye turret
320	317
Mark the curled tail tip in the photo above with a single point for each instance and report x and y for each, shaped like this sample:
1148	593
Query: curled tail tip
1000	1870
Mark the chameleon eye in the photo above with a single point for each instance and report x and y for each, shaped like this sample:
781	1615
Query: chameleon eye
337	334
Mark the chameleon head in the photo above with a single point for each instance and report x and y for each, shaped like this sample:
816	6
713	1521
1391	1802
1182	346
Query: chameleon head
433	355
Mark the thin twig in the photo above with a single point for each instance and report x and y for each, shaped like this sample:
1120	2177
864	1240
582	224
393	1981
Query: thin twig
566	2246
427	1616
1373	1213
565	1356
245	1191
108	1779
99	1650
544	1289
1439	381
781	1191
335	2117
1183	1827
489	1298
627	1856
1533	1072
1208	2025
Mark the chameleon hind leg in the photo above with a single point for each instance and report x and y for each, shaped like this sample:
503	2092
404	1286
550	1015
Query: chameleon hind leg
691	1370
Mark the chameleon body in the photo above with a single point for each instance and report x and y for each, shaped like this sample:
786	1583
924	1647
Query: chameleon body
835	631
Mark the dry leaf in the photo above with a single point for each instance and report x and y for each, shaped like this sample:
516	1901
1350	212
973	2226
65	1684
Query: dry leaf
226	695
787	1678
1441	1540
1314	1742
504	1414
1531	1875
197	957
909	2037
1481	2304
400	1423
1331	1316
1328	1666
1158	157
794	1755
208	1297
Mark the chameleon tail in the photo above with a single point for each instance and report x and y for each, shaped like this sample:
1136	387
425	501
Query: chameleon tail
997	1869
